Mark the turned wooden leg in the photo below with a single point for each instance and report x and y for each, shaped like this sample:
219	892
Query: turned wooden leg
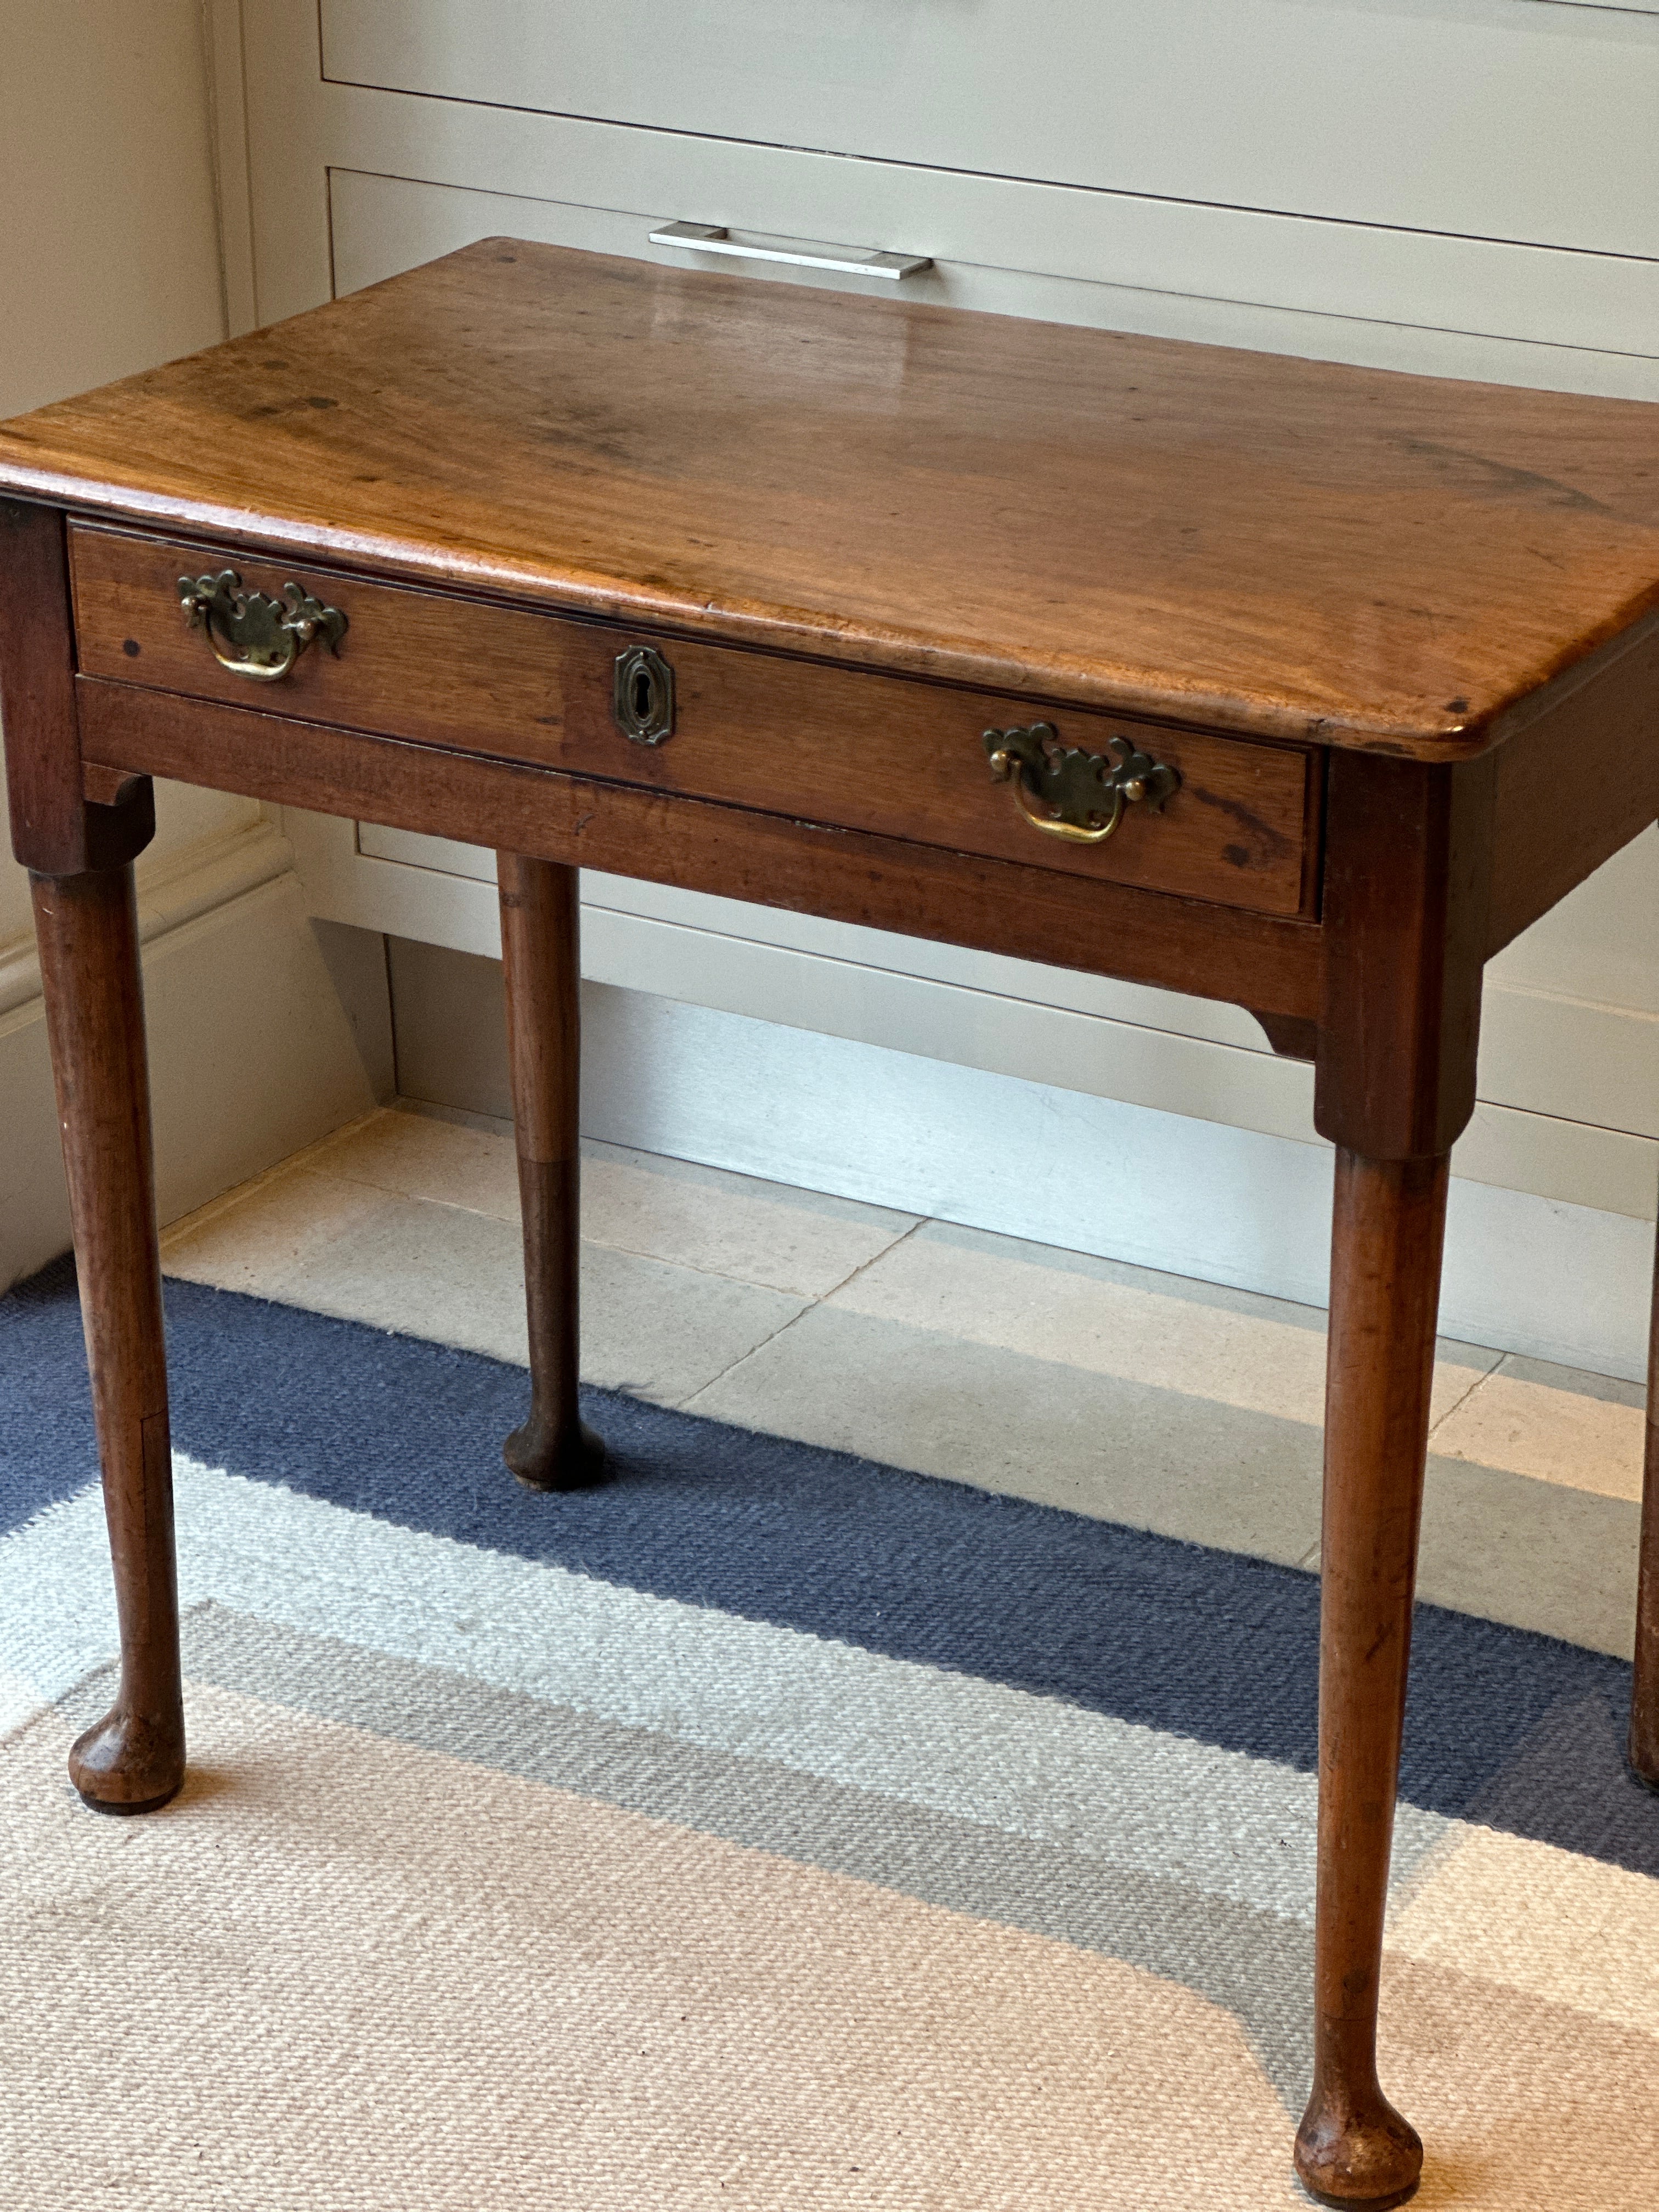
134	1759
1352	2147
1644	1686
540	945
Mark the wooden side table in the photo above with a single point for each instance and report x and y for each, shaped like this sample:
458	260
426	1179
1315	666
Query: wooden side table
1299	686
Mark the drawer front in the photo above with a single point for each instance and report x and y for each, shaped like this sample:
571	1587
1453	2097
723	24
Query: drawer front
860	751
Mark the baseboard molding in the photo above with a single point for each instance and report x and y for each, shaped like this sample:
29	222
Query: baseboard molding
1525	1273
266	1031
1569	1108
1036	1102
194	882
1039	1161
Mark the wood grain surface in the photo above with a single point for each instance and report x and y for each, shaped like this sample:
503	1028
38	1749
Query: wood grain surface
883	883
55	831
1643	1749
790	736
1263	544
1579	781
541	958
1406	919
1387	1226
87	926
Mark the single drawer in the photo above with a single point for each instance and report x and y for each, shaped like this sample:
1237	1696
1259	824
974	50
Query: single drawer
904	757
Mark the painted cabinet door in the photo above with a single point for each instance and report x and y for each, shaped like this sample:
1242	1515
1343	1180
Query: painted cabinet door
1471	116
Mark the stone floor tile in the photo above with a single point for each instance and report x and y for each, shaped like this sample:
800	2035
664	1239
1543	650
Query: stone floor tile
796	1241
1540	1555
457	1277
421	1156
1039	1428
1257	1354
1180	1407
1554	1424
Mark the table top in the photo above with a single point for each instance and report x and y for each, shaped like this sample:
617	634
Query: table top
1267	545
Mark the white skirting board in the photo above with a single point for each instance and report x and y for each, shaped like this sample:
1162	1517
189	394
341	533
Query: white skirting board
266	1031
1203	1163
1525	1273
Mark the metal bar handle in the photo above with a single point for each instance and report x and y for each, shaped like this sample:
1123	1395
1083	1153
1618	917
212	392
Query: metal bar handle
844	260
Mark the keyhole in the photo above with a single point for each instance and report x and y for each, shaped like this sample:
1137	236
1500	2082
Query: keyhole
643	700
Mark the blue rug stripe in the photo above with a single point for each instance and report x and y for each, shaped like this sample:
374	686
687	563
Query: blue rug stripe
1506	1727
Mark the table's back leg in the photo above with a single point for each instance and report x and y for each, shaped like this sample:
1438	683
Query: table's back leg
134	1757
541	951
1644	1686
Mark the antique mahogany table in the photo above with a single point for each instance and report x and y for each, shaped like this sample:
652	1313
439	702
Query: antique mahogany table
1299	686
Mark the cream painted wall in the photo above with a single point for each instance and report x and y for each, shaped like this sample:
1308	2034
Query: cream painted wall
109	255
109	247
267	1030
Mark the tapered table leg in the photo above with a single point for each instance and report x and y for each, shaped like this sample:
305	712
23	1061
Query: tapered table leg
1645	1687
1353	2148
134	1759
541	949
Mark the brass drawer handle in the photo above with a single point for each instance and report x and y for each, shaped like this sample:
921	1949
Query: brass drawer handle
1085	792
252	634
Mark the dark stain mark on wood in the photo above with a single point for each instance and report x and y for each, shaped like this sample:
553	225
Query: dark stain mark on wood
1474	472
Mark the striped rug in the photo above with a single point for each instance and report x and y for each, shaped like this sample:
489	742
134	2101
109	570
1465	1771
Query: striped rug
766	1828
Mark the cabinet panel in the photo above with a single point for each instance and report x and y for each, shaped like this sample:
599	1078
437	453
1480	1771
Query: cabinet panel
1449	307
1451	115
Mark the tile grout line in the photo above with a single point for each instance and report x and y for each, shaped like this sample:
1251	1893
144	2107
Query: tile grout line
923	1221
307	1163
721	1275
318	1162
686	1405
215	1210
1310	1557
1462	1400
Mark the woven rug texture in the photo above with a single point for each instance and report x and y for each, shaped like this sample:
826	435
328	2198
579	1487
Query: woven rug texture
763	1828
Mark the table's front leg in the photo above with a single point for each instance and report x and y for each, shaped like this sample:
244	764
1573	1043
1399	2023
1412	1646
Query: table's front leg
79	856
541	954
1389	1220
132	1760
1405	925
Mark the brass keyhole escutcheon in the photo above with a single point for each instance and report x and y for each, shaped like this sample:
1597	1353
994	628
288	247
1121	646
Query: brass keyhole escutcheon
642	700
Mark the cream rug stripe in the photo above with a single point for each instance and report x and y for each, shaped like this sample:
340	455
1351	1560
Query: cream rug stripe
1254	1964
1241	1827
1571	1930
347	1972
1137	1799
1568	1929
350	1973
